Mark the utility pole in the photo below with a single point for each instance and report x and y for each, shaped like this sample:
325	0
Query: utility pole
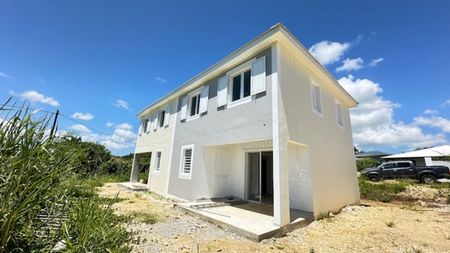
52	131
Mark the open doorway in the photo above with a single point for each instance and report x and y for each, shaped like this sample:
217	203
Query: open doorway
260	177
141	167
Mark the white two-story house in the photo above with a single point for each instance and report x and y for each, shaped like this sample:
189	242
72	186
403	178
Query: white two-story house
268	123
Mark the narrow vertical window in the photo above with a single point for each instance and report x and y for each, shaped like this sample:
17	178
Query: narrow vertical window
236	88
158	161
187	153
194	104
247	80
162	114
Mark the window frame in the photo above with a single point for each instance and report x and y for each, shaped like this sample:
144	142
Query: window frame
196	93
239	70
161	116
313	95
241	75
182	174
156	168
339	109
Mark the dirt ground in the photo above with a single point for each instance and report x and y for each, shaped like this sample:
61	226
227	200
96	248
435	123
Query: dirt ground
377	227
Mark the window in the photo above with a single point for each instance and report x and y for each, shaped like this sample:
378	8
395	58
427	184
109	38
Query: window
187	153
158	161
316	98
403	165
194	104
162	114
339	116
241	85
144	126
389	166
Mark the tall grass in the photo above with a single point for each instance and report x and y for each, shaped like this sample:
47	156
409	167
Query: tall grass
42	201
28	172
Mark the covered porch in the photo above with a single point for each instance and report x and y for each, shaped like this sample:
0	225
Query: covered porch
251	220
267	191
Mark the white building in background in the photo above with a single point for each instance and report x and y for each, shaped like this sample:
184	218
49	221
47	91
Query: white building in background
425	157
268	123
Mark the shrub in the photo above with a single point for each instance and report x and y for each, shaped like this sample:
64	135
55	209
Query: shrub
381	191
364	163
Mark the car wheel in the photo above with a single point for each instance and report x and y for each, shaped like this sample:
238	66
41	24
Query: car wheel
374	178
428	179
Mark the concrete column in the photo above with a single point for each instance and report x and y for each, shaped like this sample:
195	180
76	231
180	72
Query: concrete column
135	169
281	210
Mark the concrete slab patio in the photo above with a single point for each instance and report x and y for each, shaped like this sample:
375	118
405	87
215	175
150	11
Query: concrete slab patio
252	220
134	186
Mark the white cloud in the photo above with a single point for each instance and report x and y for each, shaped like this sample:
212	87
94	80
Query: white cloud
122	137
162	80
351	64
374	62
80	128
434	121
373	120
119	103
430	112
109	124
36	97
327	52
446	103
4	75
82	116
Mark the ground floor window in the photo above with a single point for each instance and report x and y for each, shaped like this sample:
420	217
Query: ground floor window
187	153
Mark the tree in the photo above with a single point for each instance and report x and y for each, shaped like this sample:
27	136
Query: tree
366	163
88	157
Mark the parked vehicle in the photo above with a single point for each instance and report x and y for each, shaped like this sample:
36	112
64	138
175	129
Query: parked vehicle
406	169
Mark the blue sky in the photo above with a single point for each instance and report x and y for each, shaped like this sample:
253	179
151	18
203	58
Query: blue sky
107	60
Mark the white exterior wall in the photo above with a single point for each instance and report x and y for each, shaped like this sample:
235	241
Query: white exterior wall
218	164
331	163
159	140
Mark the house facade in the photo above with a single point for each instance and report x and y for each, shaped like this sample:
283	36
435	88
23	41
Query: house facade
255	126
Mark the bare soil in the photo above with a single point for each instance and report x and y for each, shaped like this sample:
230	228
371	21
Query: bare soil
373	227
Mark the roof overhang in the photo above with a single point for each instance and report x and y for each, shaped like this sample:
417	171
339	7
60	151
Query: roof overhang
276	34
439	151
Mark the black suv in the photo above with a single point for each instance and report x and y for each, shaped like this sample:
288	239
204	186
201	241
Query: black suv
406	169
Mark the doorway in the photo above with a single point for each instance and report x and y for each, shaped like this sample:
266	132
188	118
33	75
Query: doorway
260	177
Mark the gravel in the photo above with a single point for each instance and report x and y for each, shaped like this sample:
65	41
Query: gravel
380	227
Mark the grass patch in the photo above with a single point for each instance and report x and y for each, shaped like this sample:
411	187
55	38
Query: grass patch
390	224
147	218
381	191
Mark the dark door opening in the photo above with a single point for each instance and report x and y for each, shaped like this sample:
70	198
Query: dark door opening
260	177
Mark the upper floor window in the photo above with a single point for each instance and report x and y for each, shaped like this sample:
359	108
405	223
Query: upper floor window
144	125
241	84
339	115
194	104
162	114
316	99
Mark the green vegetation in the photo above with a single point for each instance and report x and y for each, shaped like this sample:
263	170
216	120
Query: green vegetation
47	189
382	191
364	163
147	218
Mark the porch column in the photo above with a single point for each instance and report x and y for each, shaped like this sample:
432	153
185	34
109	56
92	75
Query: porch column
135	169
281	210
